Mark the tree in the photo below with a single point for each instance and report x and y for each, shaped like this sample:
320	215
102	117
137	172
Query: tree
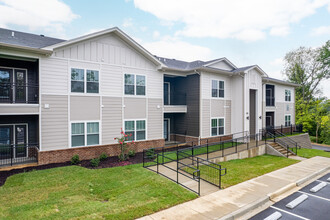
319	113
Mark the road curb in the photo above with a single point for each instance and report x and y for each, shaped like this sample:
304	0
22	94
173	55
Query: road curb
281	191
313	175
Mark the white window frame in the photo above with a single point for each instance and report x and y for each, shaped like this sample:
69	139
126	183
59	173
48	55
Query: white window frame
285	116
218	89
224	126
146	126
85	81
85	132
135	74
289	96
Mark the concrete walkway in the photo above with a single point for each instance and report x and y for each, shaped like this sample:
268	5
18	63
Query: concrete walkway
235	201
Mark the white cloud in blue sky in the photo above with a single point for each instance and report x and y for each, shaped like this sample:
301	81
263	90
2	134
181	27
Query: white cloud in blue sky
246	32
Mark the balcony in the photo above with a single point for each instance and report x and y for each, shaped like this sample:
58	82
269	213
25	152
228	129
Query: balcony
270	101
11	93
175	103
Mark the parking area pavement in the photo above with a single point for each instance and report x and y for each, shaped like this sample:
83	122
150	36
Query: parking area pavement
315	205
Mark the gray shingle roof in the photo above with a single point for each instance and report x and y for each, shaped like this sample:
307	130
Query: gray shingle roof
26	39
241	69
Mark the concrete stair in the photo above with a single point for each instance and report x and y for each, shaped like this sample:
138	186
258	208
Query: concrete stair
281	149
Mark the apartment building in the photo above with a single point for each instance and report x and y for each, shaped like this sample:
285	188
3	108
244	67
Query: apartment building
74	97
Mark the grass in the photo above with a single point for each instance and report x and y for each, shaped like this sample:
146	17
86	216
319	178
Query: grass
170	156
75	192
241	170
309	153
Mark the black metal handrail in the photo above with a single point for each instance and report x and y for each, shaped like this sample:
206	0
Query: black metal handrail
282	143
18	153
19	93
284	137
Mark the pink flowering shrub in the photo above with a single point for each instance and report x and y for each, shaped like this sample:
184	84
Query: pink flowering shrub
124	145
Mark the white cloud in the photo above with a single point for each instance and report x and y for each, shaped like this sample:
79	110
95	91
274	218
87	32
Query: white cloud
155	34
277	62
240	19
128	22
174	48
50	15
323	30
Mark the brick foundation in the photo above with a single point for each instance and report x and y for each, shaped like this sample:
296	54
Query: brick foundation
90	152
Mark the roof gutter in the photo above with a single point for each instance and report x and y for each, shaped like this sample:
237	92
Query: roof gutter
265	80
165	68
28	49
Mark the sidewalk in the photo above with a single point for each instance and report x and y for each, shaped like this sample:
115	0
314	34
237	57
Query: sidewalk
237	200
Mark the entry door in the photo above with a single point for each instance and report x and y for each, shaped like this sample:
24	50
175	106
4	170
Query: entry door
20	86
6	80
20	141
166	93
6	141
167	129
252	111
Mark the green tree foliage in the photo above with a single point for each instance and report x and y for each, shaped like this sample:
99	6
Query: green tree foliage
308	67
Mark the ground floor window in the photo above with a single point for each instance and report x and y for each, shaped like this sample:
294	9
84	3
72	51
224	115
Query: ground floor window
287	120
84	133
217	126
135	129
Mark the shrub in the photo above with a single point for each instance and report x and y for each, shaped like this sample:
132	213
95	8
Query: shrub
103	156
313	138
95	162
122	141
75	159
131	153
150	153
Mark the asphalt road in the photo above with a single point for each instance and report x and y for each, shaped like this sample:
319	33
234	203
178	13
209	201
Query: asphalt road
318	147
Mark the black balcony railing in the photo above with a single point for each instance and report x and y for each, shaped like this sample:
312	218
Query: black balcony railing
270	101
19	93
18	154
176	99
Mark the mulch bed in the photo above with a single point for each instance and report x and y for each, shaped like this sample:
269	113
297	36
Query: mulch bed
109	162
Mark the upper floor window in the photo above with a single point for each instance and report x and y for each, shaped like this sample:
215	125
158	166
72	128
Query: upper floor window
287	95
135	84
270	95
218	89
79	84
217	126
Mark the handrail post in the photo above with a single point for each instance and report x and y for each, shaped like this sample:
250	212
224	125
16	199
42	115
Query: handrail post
11	155
157	163
236	145
220	177
291	129
207	149
177	166
281	128
163	156
143	157
223	148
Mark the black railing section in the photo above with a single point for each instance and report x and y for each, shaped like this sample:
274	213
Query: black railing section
288	145
289	129
270	101
18	154
194	157
177	98
19	93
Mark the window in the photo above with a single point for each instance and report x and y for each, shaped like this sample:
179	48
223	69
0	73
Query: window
92	133
78	81
217	126
135	84
287	107
83	134
270	93
287	95
92	81
78	134
136	130
287	120
218	88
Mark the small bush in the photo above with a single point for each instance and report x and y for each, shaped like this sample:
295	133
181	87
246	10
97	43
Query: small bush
131	153
75	159
150	153
103	156
313	138
95	162
123	157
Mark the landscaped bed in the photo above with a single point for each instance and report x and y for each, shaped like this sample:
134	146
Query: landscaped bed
125	192
308	153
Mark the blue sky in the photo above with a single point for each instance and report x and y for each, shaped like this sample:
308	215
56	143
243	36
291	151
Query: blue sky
246	32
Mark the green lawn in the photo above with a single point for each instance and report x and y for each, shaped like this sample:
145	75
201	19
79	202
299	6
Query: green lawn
308	153
75	192
244	169
170	156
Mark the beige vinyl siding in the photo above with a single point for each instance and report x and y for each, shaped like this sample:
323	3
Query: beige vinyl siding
111	119
111	80
206	79
135	108
217	108
228	110
84	108
54	122
155	119
222	65
54	76
206	117
19	109
107	49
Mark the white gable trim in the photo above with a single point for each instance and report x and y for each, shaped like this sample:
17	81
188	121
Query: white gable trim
220	60
262	73
116	31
